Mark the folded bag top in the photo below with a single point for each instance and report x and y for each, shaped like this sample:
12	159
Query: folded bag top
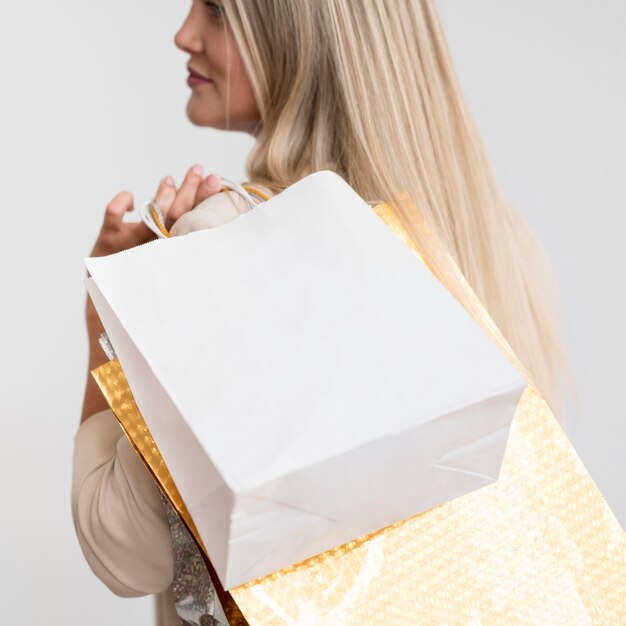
305	376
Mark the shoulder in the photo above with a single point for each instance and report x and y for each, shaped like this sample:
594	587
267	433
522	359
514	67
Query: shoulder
210	213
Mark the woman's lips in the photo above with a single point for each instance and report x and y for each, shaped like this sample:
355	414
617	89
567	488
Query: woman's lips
194	80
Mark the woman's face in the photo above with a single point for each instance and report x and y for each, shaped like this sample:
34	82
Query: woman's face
209	41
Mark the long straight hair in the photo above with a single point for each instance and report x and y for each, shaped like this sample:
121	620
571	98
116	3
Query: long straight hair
368	90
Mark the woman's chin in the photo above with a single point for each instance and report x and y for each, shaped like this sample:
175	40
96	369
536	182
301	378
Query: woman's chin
199	114
202	116
197	120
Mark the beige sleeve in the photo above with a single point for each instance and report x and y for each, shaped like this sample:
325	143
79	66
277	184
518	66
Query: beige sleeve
118	515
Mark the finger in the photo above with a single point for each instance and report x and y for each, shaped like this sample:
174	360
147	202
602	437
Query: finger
211	185
165	195
186	195
114	212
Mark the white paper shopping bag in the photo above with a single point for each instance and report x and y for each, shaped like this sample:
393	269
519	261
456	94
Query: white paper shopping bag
306	378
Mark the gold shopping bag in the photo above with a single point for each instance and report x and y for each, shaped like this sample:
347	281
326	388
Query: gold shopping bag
539	546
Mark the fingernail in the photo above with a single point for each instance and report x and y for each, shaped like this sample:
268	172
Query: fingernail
197	168
169	180
212	181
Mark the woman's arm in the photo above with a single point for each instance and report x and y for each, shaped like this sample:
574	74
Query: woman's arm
117	510
116	507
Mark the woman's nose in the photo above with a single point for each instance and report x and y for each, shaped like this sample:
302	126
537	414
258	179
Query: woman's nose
187	38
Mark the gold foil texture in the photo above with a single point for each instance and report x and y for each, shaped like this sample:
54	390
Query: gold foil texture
539	546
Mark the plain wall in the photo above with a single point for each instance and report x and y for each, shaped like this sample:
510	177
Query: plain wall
93	102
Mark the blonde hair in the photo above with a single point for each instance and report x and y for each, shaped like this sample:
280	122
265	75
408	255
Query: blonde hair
368	90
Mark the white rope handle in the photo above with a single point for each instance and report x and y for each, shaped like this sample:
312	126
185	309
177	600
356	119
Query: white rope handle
238	189
153	217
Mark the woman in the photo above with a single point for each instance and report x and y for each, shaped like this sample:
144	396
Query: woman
367	90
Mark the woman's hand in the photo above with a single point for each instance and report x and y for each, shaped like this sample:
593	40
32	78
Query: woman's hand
116	235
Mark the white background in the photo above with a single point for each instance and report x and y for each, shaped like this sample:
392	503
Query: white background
93	102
